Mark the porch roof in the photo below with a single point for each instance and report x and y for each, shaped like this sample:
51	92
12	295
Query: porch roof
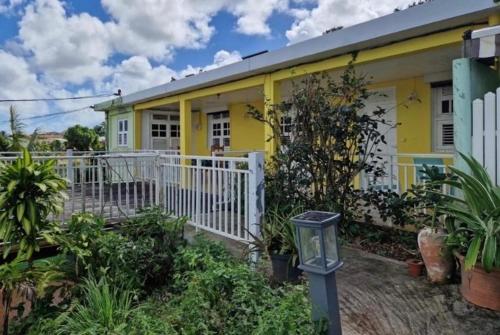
417	21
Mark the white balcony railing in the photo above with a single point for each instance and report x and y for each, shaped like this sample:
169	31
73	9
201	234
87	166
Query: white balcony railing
404	170
223	195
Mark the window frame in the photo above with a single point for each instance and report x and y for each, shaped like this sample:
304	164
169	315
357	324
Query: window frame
442	93
123	131
220	122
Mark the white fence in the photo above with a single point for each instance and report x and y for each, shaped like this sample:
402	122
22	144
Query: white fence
486	133
223	195
404	170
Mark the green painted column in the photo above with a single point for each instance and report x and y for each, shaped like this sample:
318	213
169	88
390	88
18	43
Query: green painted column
471	80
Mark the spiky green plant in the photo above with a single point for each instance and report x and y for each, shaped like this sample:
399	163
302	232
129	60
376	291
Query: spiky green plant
108	309
476	214
29	192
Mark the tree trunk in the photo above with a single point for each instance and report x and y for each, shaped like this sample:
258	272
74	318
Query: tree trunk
7	299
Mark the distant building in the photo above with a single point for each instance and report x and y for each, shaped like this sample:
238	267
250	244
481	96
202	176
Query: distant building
51	136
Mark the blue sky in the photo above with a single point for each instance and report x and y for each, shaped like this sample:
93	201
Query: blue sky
54	48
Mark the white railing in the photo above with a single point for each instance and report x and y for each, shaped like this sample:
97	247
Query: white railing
404	170
223	195
486	133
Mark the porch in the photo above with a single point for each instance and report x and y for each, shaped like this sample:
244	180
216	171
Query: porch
222	195
414	87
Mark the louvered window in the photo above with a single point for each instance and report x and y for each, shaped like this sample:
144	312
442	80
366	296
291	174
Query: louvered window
447	134
442	113
123	133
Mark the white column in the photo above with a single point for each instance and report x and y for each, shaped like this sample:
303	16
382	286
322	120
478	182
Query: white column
256	195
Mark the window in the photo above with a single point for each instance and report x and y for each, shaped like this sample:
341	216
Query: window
442	114
159	130
286	125
122	133
175	130
220	130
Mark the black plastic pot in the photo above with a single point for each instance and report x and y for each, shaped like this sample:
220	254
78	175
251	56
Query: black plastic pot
283	270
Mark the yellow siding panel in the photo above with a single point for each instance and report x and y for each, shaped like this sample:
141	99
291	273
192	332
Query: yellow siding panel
247	134
138	129
414	134
157	102
200	134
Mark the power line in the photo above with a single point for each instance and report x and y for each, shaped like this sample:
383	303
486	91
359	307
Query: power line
60	99
49	115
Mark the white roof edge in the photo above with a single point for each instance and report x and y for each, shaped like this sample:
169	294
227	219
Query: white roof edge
488	31
420	20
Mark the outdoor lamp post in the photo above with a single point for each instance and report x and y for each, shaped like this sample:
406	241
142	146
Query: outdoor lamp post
319	257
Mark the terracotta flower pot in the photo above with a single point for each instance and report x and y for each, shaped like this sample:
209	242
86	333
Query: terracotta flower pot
415	267
480	287
437	258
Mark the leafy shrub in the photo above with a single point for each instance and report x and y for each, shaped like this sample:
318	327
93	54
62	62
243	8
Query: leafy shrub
475	230
331	141
141	254
217	294
28	281
288	315
29	192
156	236
104	309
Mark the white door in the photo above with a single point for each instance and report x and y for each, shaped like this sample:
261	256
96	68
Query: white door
165	131
219	130
385	98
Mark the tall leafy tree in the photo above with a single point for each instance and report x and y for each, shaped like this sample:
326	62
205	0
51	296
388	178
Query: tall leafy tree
81	138
18	138
328	141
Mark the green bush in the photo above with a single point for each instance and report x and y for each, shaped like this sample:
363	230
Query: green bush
141	254
156	236
217	294
29	192
104	309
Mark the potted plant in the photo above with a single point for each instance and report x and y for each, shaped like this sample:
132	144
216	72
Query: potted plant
278	242
415	265
474	233
436	255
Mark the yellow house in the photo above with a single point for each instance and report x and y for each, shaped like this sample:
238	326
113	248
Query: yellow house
408	55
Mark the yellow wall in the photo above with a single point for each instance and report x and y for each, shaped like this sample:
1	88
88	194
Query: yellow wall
247	134
200	134
414	134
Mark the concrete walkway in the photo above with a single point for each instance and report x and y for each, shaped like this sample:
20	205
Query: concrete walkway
378	297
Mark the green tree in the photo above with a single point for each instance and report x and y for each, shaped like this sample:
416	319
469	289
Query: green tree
330	140
100	129
81	138
4	141
18	138
29	192
57	145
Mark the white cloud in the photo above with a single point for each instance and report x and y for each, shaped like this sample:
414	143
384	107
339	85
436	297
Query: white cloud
333	13
134	74
153	28
221	58
18	82
8	5
66	48
253	16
